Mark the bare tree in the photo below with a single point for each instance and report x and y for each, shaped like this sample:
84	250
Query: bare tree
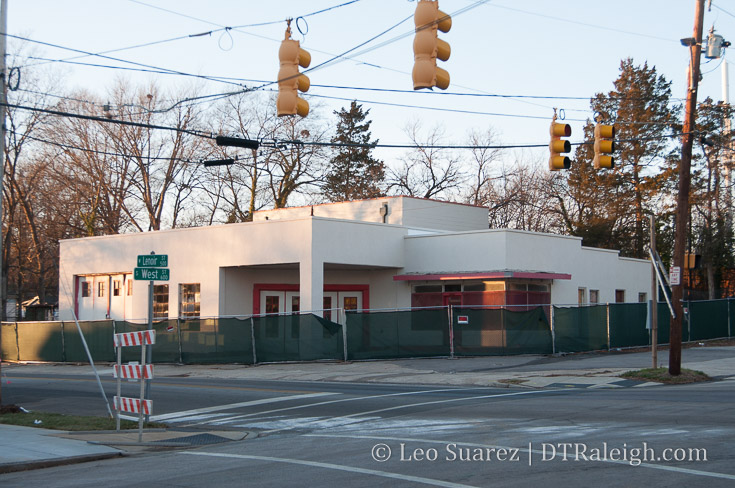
427	171
483	164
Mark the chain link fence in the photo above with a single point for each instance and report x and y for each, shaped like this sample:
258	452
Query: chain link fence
372	334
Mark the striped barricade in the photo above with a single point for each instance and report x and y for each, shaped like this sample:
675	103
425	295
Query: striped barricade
132	405
143	337
133	371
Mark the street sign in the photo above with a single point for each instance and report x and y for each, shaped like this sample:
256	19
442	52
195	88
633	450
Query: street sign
675	275
151	274
153	261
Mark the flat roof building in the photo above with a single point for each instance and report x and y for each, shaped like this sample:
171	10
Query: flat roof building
383	253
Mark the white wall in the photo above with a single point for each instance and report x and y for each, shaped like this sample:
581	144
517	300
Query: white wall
510	250
197	255
406	211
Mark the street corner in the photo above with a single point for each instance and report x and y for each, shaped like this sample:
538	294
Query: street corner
159	439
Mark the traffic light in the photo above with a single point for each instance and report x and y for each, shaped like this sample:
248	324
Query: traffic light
558	145
427	46
604	146
290	81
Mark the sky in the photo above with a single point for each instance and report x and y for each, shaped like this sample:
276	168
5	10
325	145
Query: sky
525	57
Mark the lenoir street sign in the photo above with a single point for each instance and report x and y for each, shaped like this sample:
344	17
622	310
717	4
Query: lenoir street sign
152	267
153	260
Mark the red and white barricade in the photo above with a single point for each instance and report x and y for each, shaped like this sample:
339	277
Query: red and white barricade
147	337
132	405
133	371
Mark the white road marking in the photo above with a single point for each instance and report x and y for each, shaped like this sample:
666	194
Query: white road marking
663	467
339	467
433	402
252	403
341	400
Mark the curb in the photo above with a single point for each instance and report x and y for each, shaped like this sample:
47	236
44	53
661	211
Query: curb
49	463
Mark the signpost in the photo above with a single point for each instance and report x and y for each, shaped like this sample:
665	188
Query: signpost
151	267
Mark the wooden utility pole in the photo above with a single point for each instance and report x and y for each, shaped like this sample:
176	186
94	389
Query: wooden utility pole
682	200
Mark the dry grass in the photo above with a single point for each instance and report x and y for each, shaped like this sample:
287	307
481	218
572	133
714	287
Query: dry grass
661	375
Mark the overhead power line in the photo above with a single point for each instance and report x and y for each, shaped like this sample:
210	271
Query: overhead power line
110	121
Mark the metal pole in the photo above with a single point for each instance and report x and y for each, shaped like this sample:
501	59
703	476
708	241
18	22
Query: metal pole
141	408
91	362
3	99
451	332
682	201
252	339
553	332
119	387
608	326
654	296
344	333
149	357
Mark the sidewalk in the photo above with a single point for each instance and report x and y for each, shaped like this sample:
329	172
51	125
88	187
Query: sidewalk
29	448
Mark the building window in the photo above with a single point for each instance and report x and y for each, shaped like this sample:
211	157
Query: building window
160	301
130	287
642	298
594	296
116	288
428	289
85	289
295	304
350	303
327	305
189	299
272	304
100	288
619	296
582	296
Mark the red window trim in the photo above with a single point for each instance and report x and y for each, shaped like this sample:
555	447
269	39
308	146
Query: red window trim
260	287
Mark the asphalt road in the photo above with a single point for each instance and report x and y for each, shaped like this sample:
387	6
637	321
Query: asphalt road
348	434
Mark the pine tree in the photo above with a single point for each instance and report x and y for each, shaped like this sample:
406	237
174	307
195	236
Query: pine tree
354	173
610	207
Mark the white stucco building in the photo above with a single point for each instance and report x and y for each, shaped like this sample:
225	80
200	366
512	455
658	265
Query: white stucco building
392	252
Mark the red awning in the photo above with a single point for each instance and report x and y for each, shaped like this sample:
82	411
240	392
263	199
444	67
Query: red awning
490	275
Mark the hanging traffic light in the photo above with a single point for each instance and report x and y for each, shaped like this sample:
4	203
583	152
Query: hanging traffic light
290	81
558	145
604	146
427	46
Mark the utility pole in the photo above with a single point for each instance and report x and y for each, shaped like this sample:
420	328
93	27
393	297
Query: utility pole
654	294
3	101
682	200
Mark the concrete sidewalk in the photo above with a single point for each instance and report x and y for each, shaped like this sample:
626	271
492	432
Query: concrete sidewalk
29	448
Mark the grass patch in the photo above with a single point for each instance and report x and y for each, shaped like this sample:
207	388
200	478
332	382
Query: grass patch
661	375
512	381
56	421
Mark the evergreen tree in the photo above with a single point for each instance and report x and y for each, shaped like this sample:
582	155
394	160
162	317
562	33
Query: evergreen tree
710	200
354	173
609	207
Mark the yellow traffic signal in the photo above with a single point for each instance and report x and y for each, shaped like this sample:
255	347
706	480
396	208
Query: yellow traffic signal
427	46
290	81
558	145
604	145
